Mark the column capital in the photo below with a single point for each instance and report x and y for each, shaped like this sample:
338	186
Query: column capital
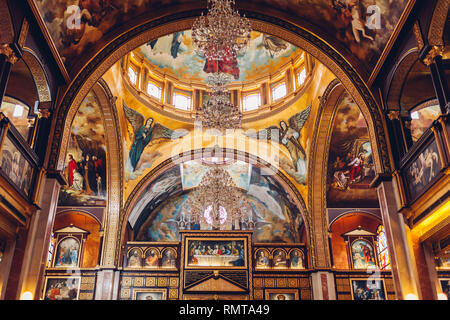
435	51
5	49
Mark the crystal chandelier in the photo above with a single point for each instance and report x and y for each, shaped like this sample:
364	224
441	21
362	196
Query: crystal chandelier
218	202
222	33
219	113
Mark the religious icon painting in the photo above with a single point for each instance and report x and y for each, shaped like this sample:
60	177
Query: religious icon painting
150	294
169	257
62	288
279	259
281	294
68	253
368	289
262	259
231	253
296	259
134	258
151	258
423	170
15	166
363	256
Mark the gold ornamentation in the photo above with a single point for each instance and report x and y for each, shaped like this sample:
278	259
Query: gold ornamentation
126	281
258	294
173	293
138	282
86	296
162	282
258	282
125	293
173	282
6	50
269	282
436	51
292	282
150	282
394	115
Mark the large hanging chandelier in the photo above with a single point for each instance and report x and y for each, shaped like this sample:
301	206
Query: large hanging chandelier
219	203
222	33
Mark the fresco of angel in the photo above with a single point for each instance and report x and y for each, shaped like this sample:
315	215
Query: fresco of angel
288	136
146	131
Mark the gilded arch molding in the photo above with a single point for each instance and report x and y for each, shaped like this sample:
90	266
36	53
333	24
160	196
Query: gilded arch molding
40	79
401	72
114	174
437	25
317	173
199	153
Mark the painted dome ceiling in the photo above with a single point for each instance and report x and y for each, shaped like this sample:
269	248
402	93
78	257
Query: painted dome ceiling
174	54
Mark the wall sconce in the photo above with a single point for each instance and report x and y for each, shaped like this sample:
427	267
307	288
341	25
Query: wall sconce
411	296
27	295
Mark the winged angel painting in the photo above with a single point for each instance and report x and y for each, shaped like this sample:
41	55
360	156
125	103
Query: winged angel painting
288	136
144	132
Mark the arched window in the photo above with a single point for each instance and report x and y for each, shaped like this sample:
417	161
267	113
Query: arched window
132	74
422	117
154	90
17	112
278	91
382	249
301	77
182	100
251	101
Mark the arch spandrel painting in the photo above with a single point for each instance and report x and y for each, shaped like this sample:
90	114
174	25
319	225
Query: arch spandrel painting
344	21
85	167
161	210
350	161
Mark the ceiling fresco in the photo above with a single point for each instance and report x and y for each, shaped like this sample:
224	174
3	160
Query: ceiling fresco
175	54
350	161
363	27
277	219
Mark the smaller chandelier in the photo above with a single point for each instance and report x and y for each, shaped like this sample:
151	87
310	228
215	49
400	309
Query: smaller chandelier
219	113
222	33
219	203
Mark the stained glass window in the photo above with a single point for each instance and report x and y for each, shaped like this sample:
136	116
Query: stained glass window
181	101
382	249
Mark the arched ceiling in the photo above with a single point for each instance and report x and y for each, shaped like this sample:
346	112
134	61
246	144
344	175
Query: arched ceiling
175	55
335	21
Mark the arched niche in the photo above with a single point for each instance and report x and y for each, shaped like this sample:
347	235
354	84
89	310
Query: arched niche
346	223
86	221
134	205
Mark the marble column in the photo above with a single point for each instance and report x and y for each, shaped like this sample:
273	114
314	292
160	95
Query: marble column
38	241
323	285
403	267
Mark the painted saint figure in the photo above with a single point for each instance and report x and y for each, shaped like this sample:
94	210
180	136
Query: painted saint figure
288	136
146	132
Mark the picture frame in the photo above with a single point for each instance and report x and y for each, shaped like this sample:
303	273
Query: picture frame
206	253
417	176
281	294
62	288
368	289
150	294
